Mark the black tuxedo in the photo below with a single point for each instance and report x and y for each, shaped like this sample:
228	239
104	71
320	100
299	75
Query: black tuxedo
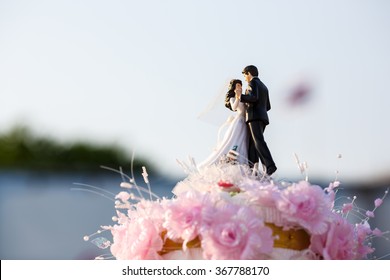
257	101
257	104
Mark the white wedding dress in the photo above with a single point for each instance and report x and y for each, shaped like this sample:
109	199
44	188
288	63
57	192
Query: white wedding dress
235	137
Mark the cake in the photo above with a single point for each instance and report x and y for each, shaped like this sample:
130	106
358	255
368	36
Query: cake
228	211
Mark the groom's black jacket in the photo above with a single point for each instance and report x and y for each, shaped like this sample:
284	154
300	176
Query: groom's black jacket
257	101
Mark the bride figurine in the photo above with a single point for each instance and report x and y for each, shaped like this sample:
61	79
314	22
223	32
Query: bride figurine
234	144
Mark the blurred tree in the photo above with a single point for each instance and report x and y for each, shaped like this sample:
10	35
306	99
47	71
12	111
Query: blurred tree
21	149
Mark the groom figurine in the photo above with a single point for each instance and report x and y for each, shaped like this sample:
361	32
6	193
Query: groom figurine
257	104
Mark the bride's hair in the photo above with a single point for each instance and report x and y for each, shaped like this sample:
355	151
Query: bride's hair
232	85
230	93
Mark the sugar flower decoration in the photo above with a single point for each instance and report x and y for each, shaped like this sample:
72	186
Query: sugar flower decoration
137	240
306	205
336	243
234	232
183	216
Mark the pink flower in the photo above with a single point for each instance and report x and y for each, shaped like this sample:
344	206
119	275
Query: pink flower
370	214
183	216
378	202
234	232
363	232
136	240
307	205
347	207
137	236
149	209
338	243
264	196
119	233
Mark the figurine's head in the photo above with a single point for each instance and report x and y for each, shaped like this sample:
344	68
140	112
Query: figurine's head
249	72
232	86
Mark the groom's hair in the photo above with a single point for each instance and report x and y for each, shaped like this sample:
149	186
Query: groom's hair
251	69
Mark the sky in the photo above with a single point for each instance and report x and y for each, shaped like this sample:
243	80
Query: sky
139	73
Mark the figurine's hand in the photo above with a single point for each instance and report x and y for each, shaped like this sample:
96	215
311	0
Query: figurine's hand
238	93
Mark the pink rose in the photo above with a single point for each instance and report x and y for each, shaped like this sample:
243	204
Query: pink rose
306	205
234	232
136	240
264	196
341	242
183	216
138	234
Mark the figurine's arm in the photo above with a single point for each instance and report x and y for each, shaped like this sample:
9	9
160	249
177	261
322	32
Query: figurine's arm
252	95
234	103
